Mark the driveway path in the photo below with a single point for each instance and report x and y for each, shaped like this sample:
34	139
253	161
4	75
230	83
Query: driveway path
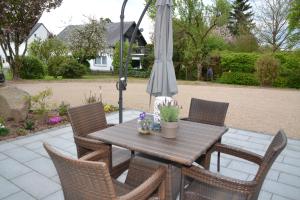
251	108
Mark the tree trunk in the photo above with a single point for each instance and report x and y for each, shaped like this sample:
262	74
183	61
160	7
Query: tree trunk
199	70
15	67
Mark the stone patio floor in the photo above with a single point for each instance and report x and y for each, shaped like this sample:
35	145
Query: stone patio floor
27	173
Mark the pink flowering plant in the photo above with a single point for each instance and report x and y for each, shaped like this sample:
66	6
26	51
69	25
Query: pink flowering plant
54	120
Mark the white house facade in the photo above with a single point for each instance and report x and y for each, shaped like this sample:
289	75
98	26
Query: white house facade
38	32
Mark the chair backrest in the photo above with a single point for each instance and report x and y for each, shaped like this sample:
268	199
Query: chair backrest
87	118
278	143
208	112
82	179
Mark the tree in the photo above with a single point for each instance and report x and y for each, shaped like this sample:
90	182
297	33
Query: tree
17	18
240	20
116	56
192	28
294	22
89	40
44	50
273	28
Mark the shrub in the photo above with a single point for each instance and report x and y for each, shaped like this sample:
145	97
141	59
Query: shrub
72	69
29	124
93	98
3	130
267	69
238	62
139	73
238	78
280	82
32	68
294	79
39	103
54	65
63	108
109	108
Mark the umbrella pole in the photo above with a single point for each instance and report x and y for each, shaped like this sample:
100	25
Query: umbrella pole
122	83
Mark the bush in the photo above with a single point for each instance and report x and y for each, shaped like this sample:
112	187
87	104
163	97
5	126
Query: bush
54	65
238	62
280	82
267	69
32	68
63	108
72	69
29	124
294	79
238	78
139	73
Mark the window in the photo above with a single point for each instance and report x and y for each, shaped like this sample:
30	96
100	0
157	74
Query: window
101	60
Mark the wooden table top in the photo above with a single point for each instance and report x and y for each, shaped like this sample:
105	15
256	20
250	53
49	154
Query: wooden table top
193	139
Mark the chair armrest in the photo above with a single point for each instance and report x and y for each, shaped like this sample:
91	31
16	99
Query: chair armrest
90	143
99	155
144	190
218	180
238	152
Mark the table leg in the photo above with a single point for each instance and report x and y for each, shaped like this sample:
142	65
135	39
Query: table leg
181	187
110	158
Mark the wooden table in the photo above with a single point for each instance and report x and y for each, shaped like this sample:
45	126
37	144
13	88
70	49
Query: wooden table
193	139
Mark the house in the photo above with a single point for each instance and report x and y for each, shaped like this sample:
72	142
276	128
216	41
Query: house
38	32
103	62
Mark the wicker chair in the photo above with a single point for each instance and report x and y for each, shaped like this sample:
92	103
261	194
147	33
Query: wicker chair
85	179
208	185
90	118
207	112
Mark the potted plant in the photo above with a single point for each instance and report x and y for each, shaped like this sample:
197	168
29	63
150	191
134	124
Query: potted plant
169	112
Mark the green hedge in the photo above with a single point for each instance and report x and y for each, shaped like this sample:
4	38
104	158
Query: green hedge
238	62
32	68
137	73
238	78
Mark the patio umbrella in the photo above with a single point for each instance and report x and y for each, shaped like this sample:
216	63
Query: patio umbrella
163	80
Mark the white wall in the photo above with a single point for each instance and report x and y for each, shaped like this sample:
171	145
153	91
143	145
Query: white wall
98	67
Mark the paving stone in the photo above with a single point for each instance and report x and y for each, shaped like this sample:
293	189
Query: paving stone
272	175
10	168
230	172
56	179
263	195
244	144
236	136
243	167
42	165
72	150
18	196
7	188
68	135
276	197
22	154
265	142
2	156
56	196
291	153
293	147
253	134
59	142
60	131
30	139
34	145
36	185
291	161
42	152
289	179
224	162
281	167
7	146
281	189
294	142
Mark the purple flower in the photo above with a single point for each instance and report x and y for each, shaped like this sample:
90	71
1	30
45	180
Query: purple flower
55	120
142	116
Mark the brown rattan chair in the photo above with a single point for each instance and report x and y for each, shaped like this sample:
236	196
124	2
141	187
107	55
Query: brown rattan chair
208	185
207	112
87	119
85	179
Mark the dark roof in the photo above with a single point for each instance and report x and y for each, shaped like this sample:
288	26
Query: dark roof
112	34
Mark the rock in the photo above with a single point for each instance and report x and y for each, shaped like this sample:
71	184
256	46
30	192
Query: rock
14	103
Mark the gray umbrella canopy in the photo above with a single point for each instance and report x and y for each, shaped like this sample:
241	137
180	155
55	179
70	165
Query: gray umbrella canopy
163	80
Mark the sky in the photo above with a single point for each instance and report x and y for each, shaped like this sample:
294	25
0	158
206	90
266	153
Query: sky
74	12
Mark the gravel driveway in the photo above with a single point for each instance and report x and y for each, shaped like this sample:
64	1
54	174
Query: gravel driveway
251	108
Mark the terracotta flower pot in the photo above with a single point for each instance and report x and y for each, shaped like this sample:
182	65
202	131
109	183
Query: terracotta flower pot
169	129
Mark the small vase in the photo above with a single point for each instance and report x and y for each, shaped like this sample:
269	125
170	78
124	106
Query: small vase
169	129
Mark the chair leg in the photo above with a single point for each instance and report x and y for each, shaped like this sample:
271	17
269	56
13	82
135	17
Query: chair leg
218	164
162	191
182	187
